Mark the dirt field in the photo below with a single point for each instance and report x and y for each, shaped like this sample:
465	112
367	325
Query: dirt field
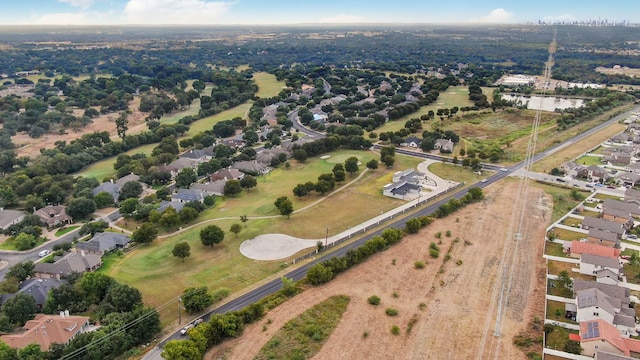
457	318
30	147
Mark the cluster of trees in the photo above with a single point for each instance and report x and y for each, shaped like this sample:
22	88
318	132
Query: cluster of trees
574	116
479	99
387	156
474	195
429	138
327	182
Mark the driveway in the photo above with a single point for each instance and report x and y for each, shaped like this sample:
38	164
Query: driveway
274	246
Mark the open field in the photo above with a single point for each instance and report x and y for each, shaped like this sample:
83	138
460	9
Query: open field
454	172
268	85
208	122
567	235
147	267
562	200
453	299
626	71
104	168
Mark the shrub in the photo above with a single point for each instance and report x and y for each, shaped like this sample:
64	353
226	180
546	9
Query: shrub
391	311
419	264
459	262
439	234
448	233
434	253
395	294
395	330
365	334
373	300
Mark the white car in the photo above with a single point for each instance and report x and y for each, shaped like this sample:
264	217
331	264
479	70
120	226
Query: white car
44	253
483	180
184	330
504	169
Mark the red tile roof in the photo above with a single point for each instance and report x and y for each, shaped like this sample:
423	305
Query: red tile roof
609	333
574	337
578	247
45	330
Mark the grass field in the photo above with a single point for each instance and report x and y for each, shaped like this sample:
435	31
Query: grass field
562	201
302	337
208	122
148	267
589	160
454	172
268	85
553	249
104	168
567	235
65	230
570	221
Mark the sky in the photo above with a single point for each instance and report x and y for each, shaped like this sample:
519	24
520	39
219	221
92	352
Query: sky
268	12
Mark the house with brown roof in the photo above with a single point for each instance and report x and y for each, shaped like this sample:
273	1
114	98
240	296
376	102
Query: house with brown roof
53	215
211	188
601	237
251	167
578	248
227	174
103	242
71	263
617	158
46	330
598	335
590	222
179	164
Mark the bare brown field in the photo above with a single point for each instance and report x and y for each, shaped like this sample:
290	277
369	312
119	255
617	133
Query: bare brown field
451	301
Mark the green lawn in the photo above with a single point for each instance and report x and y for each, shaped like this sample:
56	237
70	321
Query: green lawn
558	337
104	168
553	249
571	221
148	267
65	230
302	337
562	201
590	213
602	196
589	160
455	172
556	311
207	123
268	85
9	244
567	235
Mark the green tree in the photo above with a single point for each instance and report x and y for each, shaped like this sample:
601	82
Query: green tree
21	271
244	219
131	189
300	155
211	235
7	352
122	124
235	228
128	207
188	214
232	188
20	308
319	274
185	178
248	182
181	250
351	165
80	208
25	241
103	199
31	352
413	226
94	286
145	234
181	350
122	298
196	299
169	218
372	164
284	205
388	160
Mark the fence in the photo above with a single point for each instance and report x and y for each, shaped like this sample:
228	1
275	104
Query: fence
376	222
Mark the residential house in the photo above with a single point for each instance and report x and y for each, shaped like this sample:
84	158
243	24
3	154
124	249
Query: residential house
591	264
607	276
409	175
211	188
593	172
411	141
103	242
634	167
608	150
594	303
598	335
251	167
176	205
634	128
402	190
631	195
188	195
73	262
233	143
53	215
617	215
630	207
10	217
605	225
578	248
606	238
179	164
227	174
46	330
127	178
618	159
602	355
621	138
109	187
444	145
197	155
570	168
38	289
627	179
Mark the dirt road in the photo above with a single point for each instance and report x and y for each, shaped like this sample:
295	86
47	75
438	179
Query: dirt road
451	301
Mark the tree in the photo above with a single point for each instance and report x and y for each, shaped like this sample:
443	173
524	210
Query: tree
284	205
122	124
169	218
31	352
389	160
128	207
248	182
80	208
181	350
244	219
351	165
196	299
185	178
300	155
188	214
20	308
130	190
21	271
413	226
145	234
300	190
319	274
181	250
372	164
103	199
339	176
25	241
232	188
94	286
211	235
235	228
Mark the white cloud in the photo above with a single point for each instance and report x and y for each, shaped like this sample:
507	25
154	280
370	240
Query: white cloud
343	19
499	15
78	3
175	11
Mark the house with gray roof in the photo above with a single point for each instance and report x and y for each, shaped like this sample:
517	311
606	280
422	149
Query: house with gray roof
617	158
602	237
10	217
251	167
631	194
197	155
402	190
127	178
179	164
188	195
211	188
627	179
590	222
176	205
594	304
103	242
590	264
108	187
444	145
621	138
409	175
633	209
617	292
38	289
412	141
607	276
74	262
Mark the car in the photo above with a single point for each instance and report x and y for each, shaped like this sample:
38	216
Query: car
44	253
504	169
560	180
599	185
589	185
184	330
611	187
197	322
483	180
632	236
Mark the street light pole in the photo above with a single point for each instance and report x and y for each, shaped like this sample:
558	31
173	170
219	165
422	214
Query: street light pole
326	237
179	306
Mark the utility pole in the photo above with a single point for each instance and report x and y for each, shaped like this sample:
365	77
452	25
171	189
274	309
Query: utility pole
179	310
326	237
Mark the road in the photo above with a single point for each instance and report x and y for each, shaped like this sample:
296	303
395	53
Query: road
300	272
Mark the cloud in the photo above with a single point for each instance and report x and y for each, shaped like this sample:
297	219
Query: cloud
499	15
343	19
78	3
175	11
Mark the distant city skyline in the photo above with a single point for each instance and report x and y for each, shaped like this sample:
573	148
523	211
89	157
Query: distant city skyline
289	12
